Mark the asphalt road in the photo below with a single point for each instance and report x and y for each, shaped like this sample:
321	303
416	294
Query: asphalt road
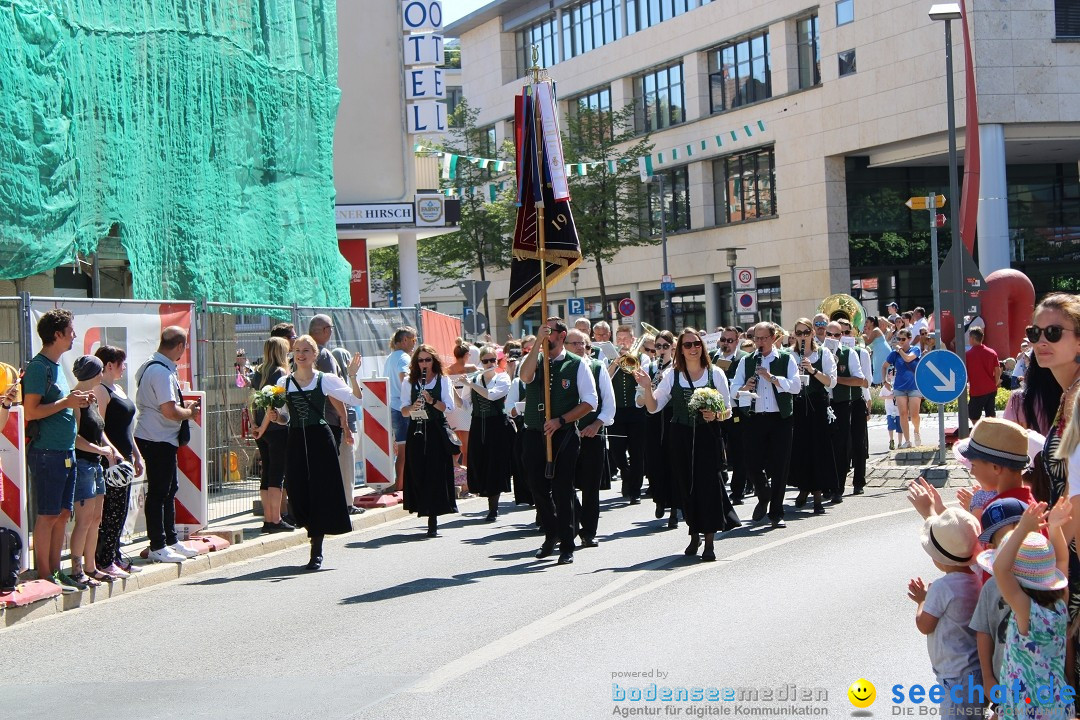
470	625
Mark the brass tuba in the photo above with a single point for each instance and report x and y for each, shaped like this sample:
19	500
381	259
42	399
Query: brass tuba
843	305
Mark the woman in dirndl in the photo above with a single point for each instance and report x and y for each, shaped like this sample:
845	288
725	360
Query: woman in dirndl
695	447
811	469
427	396
312	473
662	484
491	431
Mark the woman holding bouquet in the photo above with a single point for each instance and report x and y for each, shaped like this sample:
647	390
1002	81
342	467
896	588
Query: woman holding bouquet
313	475
698	393
271	437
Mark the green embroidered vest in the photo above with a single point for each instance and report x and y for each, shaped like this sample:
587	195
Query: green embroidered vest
625	387
433	415
778	367
484	408
597	367
814	387
564	390
680	399
305	406
844	358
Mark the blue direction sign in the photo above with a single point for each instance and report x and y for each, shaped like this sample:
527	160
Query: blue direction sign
575	306
941	376
667	287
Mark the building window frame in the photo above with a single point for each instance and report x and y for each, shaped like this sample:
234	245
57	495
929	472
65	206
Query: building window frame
676	201
591	24
599	101
545	35
659	98
742	181
739	63
845	12
808	50
644	14
846	62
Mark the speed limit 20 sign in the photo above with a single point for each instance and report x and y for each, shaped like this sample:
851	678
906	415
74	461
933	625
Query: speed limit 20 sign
745	278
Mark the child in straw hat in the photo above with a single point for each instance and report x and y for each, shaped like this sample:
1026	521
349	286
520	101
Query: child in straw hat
944	610
1030	577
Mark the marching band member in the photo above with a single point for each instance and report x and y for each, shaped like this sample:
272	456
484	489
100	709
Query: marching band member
727	358
491	432
591	456
695	446
626	440
661	481
849	380
774	376
573	396
811	411
860	411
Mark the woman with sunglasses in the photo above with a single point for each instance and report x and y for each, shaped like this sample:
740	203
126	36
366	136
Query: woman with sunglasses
656	464
491	430
905	358
810	409
312	473
695	448
427	396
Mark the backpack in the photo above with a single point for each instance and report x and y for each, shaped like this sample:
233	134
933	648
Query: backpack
10	559
33	427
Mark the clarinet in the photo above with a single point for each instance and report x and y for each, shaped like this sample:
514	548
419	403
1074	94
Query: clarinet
420	423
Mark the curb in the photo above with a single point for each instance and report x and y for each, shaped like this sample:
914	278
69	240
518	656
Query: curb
159	574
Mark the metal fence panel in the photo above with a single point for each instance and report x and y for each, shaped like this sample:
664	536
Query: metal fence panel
11	332
364	330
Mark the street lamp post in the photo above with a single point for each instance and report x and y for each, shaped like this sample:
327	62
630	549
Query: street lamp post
949	12
732	262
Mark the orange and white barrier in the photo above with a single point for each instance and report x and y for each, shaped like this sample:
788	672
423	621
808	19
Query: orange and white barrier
377	439
13	511
192	502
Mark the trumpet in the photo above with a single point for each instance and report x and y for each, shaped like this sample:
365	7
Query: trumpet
629	363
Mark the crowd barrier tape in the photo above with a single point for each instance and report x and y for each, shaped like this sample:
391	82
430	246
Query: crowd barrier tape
377	439
13	511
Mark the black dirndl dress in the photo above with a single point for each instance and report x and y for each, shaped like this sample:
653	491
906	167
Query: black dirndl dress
695	458
657	426
490	438
429	467
312	475
811	470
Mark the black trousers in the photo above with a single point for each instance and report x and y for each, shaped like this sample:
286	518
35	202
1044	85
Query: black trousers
590	469
859	443
627	449
554	498
732	432
979	404
160	461
840	439
767	449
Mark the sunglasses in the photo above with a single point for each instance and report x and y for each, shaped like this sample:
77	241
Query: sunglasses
833	335
728	340
489	361
904	337
820	323
691	344
802	333
665	346
650	350
424	361
1052	332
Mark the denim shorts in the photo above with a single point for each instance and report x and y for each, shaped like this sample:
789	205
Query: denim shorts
892	422
53	474
401	425
906	393
90	480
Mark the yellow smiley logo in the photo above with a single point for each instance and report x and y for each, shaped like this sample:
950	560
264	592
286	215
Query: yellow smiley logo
862	693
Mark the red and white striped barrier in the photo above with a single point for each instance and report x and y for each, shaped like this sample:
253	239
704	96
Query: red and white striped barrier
377	433
13	512
192	502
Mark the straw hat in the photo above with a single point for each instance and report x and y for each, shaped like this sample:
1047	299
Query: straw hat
951	537
997	441
1035	567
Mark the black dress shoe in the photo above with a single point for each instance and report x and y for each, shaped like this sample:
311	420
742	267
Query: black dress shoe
779	523
432	532
708	555
633	501
692	548
673	522
659	511
588	542
566	558
314	563
837	498
857	491
736	501
801	499
760	510
818	509
545	551
491	517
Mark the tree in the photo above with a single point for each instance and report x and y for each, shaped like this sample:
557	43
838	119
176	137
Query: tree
481	242
384	271
608	202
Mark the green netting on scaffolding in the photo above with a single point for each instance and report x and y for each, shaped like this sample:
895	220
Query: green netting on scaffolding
200	132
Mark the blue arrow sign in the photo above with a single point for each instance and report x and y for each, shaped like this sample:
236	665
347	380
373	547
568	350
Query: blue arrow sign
941	376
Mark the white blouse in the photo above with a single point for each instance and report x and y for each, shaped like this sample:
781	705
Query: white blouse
662	393
446	392
332	386
499	387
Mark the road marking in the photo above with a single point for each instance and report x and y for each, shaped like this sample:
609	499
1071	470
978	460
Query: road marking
595	602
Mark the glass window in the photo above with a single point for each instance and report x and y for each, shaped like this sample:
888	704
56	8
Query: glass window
643	14
845	12
599	121
809	52
744	186
453	99
1067	18
542	34
739	73
676	200
768	299
847	62
658	99
591	24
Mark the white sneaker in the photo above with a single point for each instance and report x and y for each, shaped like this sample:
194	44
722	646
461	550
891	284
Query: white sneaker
904	445
166	555
180	549
116	571
918	440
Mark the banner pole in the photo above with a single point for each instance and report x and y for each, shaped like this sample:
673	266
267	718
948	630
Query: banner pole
549	468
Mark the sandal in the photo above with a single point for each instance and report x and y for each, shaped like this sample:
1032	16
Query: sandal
102	576
87	580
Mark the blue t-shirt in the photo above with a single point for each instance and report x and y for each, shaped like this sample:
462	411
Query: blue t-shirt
905	371
398	362
45	378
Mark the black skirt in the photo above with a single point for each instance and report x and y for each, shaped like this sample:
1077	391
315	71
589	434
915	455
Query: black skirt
522	493
313	478
489	458
695	458
810	469
661	489
429	472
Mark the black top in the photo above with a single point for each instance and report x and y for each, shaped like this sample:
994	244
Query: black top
119	421
92	429
258	383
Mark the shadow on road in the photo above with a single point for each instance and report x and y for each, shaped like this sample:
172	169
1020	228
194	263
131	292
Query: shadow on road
429	584
274	574
395	539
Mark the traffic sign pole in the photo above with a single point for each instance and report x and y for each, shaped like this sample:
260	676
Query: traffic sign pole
940	317
941	377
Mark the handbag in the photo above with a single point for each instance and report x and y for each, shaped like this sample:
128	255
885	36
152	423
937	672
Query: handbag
453	442
183	436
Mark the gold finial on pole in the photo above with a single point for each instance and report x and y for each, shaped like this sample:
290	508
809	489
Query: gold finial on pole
538	73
